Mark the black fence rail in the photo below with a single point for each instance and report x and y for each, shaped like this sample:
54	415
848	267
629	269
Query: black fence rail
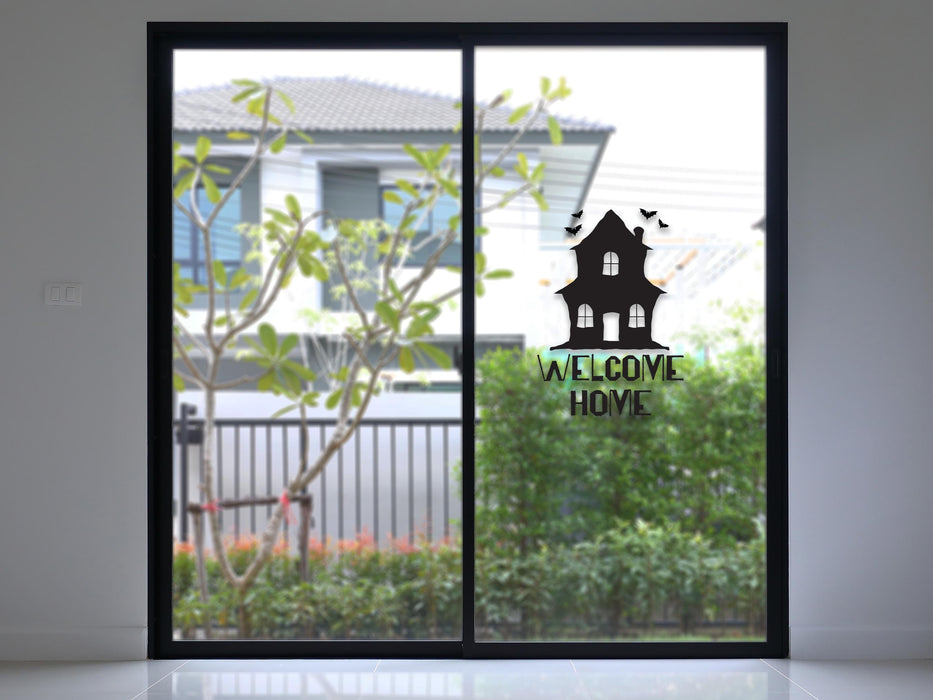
394	478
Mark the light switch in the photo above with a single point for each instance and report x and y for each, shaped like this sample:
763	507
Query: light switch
63	294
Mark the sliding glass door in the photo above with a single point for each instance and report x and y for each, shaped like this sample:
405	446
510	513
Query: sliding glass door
621	455
467	340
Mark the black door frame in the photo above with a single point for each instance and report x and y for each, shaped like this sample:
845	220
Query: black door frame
165	37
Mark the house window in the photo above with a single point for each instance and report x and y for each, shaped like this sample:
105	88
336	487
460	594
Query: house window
611	264
429	225
226	241
636	316
585	316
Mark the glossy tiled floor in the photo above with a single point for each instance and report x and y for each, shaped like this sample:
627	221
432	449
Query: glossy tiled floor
748	679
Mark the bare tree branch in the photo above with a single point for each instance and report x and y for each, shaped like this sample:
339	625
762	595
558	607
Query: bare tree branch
189	363
351	293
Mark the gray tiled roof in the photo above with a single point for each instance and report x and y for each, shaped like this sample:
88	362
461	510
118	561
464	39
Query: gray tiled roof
343	104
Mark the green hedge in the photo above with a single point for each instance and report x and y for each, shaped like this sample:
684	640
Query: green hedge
615	585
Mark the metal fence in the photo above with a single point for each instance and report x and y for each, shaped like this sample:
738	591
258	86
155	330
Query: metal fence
394	478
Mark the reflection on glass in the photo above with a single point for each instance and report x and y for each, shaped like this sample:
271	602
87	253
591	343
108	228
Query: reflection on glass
315	491
620	456
549	681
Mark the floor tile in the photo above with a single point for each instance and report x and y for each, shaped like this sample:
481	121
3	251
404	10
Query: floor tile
372	679
718	679
103	680
861	680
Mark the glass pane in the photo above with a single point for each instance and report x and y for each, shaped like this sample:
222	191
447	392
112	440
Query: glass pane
319	427
620	450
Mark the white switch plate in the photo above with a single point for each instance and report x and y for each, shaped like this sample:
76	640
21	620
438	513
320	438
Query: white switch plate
63	294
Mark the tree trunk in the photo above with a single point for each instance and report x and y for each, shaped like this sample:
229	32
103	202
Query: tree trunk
198	523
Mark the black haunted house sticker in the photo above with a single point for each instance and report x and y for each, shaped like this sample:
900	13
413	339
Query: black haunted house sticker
611	302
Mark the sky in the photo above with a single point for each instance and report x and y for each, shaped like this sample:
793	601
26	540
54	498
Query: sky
689	121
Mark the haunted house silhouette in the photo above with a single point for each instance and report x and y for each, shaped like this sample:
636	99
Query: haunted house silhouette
611	302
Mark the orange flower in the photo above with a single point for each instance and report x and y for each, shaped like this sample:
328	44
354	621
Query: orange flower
183	548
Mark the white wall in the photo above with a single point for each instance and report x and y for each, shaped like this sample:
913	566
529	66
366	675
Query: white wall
73	204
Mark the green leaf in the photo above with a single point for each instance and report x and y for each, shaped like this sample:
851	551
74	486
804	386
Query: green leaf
183	184
387	314
265	382
217	169
480	259
279	216
539	199
356	396
333	399
256	105
450	187
561	91
393	197
180	163
480	288
290	380
220	273
267	337
283	411
244	82
406	360
538	173
202	148
210	189
418	327
440	154
279	143
248	299
519	112
317	269
240	277
291	203
238	135
481	230
553	127
243	94
416	155
178	382
499	275
288	344
286	100
497	171
300	370
406	187
441	358
545	86
522	166
303	136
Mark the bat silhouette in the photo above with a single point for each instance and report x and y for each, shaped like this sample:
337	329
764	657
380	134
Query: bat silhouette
577	215
661	224
573	231
647	214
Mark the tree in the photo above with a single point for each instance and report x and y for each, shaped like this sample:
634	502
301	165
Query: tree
286	242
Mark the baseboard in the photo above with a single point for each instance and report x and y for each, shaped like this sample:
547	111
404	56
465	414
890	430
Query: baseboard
72	644
861	642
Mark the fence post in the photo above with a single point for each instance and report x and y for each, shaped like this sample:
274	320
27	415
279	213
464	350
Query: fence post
185	410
